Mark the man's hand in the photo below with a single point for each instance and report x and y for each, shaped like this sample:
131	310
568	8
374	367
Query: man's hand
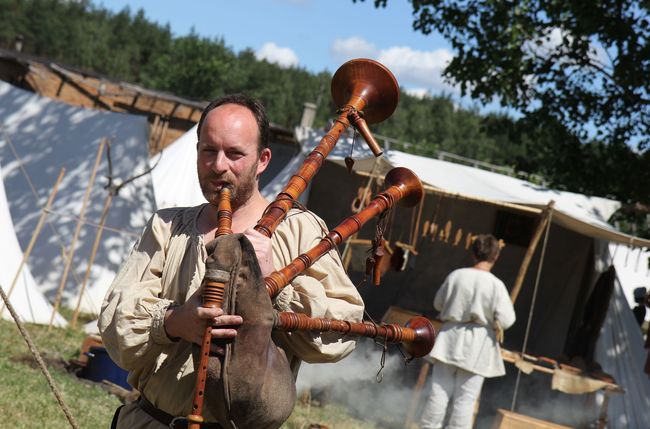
188	321
263	250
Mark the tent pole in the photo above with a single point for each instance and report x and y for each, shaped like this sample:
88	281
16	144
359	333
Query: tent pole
70	254
415	396
546	213
532	304
93	253
35	235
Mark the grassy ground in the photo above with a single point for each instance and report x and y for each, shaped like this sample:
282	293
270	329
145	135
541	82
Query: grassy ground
25	398
26	401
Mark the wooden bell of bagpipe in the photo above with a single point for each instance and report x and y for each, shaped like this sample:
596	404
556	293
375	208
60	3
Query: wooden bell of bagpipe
366	92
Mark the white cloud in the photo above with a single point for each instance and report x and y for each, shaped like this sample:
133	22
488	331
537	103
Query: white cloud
418	92
418	68
284	57
420	72
352	47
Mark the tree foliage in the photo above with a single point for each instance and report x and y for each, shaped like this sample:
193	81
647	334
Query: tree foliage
584	64
578	71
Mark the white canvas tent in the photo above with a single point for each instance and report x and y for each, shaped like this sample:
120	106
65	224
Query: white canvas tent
175	182
469	200
632	268
38	136
578	212
25	298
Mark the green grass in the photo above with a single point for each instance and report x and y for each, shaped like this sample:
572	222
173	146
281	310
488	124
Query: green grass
332	416
26	401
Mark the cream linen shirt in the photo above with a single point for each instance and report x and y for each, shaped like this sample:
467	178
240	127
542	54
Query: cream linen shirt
470	302
166	267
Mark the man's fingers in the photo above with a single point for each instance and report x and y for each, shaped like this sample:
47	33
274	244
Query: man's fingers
224	333
227	320
208	313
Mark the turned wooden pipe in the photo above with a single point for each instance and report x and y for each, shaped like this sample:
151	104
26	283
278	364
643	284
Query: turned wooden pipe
366	92
224	212
417	337
213	292
403	186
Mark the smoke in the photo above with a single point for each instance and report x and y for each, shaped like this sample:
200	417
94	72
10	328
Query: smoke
354	382
535	399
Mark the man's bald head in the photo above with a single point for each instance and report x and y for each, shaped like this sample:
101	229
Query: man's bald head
255	107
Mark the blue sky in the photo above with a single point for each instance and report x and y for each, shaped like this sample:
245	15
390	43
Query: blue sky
313	34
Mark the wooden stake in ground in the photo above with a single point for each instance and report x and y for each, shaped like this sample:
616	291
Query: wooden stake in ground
93	253
35	235
531	251
113	190
80	222
39	361
415	396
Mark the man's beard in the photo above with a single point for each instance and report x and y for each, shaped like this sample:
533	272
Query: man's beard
241	189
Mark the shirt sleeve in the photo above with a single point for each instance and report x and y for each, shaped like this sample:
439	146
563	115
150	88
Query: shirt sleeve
131	321
504	312
441	296
323	290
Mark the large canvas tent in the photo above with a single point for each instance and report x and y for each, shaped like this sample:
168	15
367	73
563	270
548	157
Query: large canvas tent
461	201
39	136
16	278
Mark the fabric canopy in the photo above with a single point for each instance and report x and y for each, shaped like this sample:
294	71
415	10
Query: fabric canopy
577	212
632	269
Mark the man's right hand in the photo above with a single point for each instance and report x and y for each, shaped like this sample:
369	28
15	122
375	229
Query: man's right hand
188	321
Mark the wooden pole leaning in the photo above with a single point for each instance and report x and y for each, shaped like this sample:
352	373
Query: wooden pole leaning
93	253
541	226
415	396
213	294
35	234
39	360
75	236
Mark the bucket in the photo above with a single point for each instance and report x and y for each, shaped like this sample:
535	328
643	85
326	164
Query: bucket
101	367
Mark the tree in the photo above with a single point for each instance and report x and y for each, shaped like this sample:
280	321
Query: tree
581	63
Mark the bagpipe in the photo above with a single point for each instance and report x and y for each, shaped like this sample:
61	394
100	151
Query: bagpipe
252	385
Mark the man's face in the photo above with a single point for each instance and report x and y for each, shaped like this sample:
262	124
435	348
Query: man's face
228	153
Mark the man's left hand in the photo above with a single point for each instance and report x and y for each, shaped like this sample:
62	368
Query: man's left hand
263	250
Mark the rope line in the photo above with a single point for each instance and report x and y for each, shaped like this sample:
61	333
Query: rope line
532	306
39	360
93	224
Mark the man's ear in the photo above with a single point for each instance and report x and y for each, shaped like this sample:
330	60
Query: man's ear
265	158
